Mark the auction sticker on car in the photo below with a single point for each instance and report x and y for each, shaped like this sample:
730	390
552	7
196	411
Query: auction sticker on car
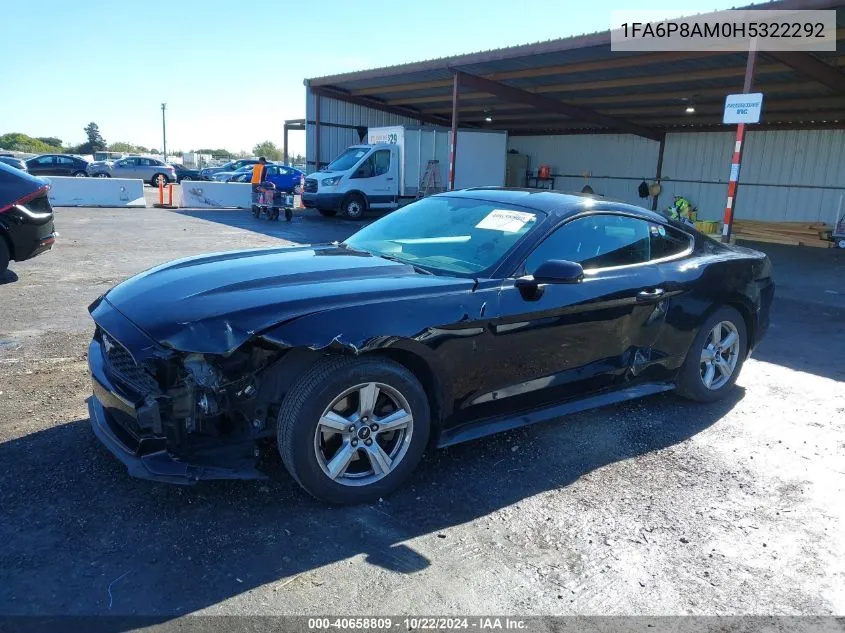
507	221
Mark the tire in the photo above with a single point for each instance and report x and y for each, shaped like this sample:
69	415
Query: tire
186	178
256	211
308	453
5	256
103	175
328	213
693	375
354	206
288	215
80	174
154	181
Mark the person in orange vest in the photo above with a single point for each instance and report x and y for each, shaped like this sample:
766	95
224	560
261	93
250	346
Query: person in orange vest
257	179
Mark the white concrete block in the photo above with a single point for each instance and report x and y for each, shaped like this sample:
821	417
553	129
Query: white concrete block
200	194
96	192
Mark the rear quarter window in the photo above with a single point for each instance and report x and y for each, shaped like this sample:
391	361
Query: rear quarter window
668	242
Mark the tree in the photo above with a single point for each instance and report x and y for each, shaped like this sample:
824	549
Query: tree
51	140
95	142
216	153
268	150
17	142
92	131
120	146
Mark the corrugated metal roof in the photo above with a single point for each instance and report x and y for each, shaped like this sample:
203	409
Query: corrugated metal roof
584	68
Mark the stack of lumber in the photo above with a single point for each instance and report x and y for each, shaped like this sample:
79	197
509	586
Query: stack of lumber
792	233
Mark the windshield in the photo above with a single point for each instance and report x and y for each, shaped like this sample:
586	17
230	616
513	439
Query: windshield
455	235
348	159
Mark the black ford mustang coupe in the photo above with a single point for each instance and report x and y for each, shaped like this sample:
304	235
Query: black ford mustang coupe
460	315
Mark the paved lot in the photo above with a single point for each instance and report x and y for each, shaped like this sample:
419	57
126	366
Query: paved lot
654	507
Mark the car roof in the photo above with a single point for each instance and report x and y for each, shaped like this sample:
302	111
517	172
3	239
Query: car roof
555	203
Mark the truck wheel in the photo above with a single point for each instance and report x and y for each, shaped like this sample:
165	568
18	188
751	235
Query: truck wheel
352	429
354	206
328	213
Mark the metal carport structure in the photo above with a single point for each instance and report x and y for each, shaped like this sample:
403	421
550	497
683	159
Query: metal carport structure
578	86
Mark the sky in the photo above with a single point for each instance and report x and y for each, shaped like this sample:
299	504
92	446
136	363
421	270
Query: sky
231	71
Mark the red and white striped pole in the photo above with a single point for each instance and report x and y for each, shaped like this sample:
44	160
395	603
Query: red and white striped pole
736	161
732	182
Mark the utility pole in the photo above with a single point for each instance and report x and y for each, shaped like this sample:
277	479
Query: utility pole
163	132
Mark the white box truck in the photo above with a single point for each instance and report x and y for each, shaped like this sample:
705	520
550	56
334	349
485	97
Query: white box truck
388	170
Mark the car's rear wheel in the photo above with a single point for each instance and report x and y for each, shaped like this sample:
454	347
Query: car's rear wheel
102	175
80	174
352	429
715	358
186	178
354	206
5	256
328	213
160	180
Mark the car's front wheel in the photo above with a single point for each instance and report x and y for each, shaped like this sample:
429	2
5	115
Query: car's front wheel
715	358
103	175
352	429
80	174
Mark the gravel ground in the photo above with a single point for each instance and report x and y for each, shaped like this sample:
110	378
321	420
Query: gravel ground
656	507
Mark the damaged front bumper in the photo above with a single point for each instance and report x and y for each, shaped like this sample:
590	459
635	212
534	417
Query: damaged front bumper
131	427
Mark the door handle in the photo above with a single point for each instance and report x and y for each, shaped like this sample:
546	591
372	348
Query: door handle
390	178
650	295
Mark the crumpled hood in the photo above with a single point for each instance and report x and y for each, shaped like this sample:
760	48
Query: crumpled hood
214	303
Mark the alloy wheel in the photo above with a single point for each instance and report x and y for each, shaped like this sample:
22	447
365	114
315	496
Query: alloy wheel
364	434
719	355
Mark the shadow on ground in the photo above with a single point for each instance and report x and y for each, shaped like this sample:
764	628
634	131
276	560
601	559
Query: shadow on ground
76	526
808	338
8	277
306	227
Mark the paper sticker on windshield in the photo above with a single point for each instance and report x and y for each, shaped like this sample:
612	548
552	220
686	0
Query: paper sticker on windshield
507	221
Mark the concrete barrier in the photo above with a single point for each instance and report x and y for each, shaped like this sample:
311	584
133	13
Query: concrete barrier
96	192
200	194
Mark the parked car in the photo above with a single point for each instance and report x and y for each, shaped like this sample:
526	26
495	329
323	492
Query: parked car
225	176
150	170
26	217
183	173
11	161
57	165
285	178
231	166
460	315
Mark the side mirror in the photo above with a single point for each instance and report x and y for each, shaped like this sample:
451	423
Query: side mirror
554	271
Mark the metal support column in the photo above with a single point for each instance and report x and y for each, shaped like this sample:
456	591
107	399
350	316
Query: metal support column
733	182
285	147
659	170
454	137
316	131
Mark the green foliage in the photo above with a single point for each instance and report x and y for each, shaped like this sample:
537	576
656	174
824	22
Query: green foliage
268	150
18	142
51	140
216	153
120	146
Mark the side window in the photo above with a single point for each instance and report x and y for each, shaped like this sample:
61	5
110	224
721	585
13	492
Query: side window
272	171
64	160
595	241
666	241
44	160
367	168
381	161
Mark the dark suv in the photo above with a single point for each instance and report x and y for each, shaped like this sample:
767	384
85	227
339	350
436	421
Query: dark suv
57	165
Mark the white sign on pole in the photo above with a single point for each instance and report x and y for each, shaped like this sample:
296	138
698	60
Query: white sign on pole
743	108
